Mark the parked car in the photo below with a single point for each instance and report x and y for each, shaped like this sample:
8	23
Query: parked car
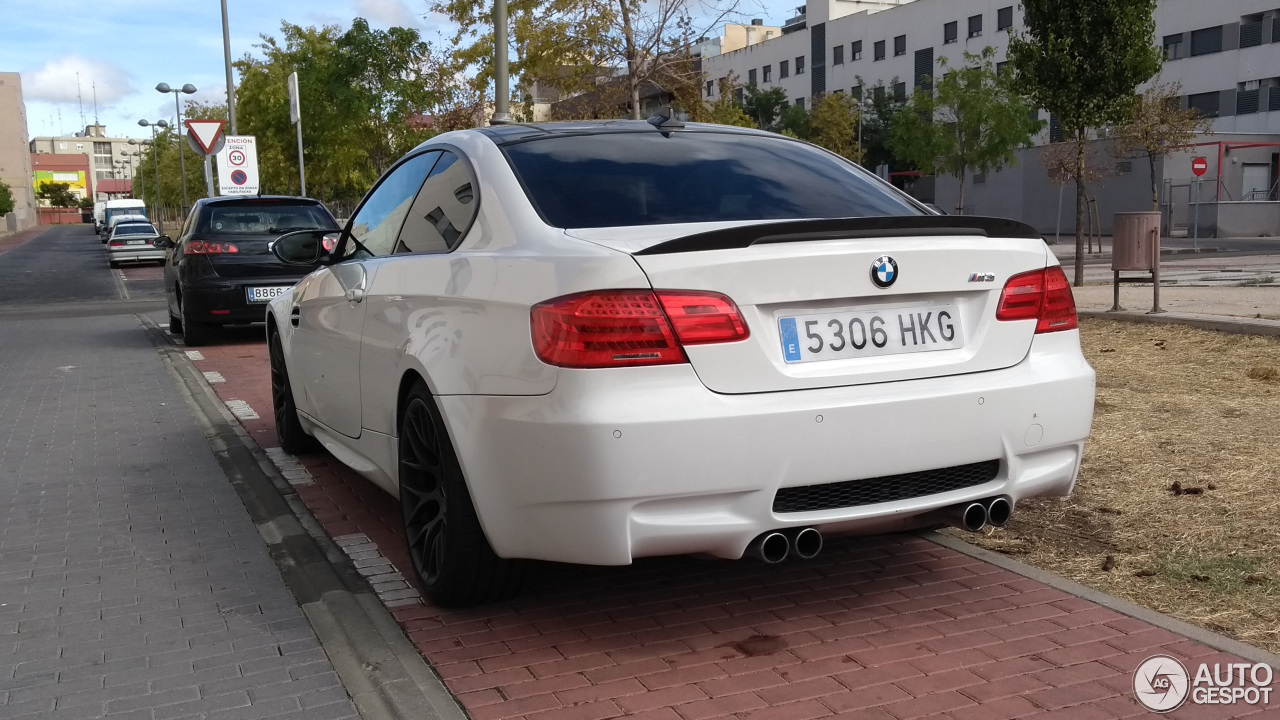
594	342
105	234
112	208
135	242
220	269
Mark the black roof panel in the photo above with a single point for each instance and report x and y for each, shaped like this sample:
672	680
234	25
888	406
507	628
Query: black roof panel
520	132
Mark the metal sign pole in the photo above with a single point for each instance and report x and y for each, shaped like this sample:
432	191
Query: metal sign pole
208	175
302	172
1195	222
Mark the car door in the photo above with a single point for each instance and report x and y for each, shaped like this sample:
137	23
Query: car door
329	308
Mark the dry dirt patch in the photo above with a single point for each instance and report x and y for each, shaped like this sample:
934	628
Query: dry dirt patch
1178	503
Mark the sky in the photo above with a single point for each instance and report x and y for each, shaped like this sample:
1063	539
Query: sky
122	48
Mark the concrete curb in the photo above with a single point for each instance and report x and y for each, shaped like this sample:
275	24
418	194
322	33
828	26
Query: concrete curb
1220	323
1194	633
385	675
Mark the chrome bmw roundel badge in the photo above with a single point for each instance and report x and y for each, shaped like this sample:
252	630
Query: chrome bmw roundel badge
884	271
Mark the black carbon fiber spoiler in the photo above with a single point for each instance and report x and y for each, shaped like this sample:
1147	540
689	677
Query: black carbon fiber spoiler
844	229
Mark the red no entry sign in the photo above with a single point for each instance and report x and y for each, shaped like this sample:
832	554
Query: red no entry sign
1199	166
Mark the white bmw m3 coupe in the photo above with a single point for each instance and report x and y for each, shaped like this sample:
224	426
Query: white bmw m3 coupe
594	342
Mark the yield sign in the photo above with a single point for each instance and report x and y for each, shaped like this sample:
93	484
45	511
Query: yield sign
205	133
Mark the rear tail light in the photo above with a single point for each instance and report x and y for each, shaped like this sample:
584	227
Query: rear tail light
1042	295
621	328
197	247
116	243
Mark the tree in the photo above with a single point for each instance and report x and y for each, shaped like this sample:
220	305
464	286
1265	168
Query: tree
1083	61
1156	125
764	106
834	125
795	122
880	105
724	110
971	122
6	200
58	194
575	46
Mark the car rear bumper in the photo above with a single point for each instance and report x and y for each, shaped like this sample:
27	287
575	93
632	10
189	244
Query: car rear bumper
618	464
135	254
221	300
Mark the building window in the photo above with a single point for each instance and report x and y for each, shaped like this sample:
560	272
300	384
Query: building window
857	50
1208	40
855	92
900	91
950	32
837	55
1207	103
1004	18
900	45
784	68
767	73
800	103
1251	32
62	146
79	146
979	178
751	76
1001	67
879	49
1248	98
800	65
102	148
975	26
1173	47
711	86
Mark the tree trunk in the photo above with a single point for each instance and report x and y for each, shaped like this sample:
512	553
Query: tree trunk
960	202
1081	208
633	62
1155	194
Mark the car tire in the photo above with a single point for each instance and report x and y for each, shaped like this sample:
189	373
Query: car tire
293	439
195	334
175	324
113	264
454	562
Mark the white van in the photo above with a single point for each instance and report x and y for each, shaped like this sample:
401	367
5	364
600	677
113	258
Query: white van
99	214
120	207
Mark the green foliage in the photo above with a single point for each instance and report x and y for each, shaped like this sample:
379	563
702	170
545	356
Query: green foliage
834	125
58	194
794	122
85	204
1083	61
764	106
1157	123
971	122
6	200
880	107
724	110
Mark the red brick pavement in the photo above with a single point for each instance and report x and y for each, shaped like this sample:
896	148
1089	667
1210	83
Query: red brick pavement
889	628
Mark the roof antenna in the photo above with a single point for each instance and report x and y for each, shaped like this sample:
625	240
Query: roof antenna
666	123
80	99
95	102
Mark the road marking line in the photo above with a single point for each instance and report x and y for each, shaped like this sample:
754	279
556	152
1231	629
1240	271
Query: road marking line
292	470
212	377
241	409
388	584
194	355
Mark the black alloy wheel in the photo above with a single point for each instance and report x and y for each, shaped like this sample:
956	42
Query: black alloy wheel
451	556
293	439
195	334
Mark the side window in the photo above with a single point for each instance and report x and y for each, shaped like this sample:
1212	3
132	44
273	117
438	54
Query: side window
443	211
189	226
377	222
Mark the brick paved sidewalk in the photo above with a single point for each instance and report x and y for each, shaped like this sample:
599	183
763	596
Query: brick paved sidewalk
890	628
132	582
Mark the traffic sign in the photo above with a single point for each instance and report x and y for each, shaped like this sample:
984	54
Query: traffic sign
1199	166
238	166
205	135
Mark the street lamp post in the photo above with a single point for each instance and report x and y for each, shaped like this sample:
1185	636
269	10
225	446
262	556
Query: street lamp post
130	156
182	158
155	152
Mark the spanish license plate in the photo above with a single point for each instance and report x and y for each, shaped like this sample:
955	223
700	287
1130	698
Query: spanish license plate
867	333
265	293
137	242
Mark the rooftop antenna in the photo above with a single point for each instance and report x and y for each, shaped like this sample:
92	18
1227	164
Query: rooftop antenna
80	98
95	102
60	122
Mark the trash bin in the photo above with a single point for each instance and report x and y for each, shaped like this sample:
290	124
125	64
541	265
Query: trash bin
1135	241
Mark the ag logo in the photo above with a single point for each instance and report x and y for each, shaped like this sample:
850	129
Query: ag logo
884	271
1161	683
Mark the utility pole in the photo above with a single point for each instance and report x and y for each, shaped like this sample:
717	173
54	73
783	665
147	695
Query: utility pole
295	117
226	54
501	85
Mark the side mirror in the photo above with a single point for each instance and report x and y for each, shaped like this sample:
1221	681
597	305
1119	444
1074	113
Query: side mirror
164	241
302	247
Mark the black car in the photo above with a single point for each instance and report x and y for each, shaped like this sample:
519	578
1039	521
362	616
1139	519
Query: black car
220	269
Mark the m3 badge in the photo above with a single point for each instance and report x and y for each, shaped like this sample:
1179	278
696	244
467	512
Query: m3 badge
982	277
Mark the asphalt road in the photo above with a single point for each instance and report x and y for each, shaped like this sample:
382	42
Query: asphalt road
64	272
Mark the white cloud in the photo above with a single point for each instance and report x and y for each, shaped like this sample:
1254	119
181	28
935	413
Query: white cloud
55	82
388	13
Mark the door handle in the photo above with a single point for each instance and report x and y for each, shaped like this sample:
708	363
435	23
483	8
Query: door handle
355	295
294	316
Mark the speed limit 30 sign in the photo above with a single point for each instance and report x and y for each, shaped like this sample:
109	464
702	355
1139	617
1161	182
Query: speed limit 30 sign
238	166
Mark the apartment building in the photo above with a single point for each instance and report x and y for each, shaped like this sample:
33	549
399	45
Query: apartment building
108	157
1224	54
15	162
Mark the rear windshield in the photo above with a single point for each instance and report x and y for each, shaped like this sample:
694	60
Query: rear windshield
134	229
267	219
619	179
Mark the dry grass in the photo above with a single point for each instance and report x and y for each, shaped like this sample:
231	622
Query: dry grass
1178	499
